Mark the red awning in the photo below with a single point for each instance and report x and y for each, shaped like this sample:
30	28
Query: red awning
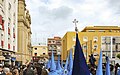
0	19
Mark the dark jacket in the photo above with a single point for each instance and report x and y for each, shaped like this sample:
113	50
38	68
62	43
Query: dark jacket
29	72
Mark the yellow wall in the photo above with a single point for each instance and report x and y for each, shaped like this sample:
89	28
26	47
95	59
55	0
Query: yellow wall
40	50
68	42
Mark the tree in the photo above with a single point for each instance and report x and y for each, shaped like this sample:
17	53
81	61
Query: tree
118	56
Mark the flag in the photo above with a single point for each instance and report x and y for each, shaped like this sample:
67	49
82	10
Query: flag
118	73
65	70
107	66
58	66
48	64
80	66
70	65
61	63
52	66
99	68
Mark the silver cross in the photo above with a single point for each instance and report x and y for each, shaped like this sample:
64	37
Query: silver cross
75	21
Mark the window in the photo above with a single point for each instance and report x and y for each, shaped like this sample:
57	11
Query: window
49	41
58	47
95	39
106	40
8	36
101	30
74	38
9	6
113	40
95	47
13	40
13	29
85	38
58	42
44	48
84	47
35	48
35	54
53	41
8	24
91	30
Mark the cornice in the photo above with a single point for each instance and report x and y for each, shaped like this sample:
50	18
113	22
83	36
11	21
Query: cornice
23	19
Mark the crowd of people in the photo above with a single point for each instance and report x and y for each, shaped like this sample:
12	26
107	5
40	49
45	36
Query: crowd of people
114	69
28	69
40	69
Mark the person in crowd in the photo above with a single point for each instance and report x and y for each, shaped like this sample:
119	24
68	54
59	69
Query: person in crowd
29	70
116	68
111	70
1	70
44	71
93	70
24	69
92	60
21	70
35	71
15	71
104	68
7	71
6	68
118	72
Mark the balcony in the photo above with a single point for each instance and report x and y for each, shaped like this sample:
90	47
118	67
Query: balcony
50	52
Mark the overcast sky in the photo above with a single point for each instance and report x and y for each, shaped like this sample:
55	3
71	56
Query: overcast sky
54	17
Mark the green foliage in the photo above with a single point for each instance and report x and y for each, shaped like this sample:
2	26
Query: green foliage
118	56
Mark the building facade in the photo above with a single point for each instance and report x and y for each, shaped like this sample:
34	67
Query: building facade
93	39
39	53
8	28
24	50
54	44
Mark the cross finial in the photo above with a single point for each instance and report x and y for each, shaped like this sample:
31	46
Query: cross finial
75	21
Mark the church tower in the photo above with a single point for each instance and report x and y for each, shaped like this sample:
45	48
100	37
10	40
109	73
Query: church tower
24	33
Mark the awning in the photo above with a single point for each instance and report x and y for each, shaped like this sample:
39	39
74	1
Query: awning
2	58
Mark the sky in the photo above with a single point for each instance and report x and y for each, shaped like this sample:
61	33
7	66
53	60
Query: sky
51	18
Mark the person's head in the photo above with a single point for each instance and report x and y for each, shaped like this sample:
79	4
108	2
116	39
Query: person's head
117	64
16	67
1	67
6	70
91	54
111	67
